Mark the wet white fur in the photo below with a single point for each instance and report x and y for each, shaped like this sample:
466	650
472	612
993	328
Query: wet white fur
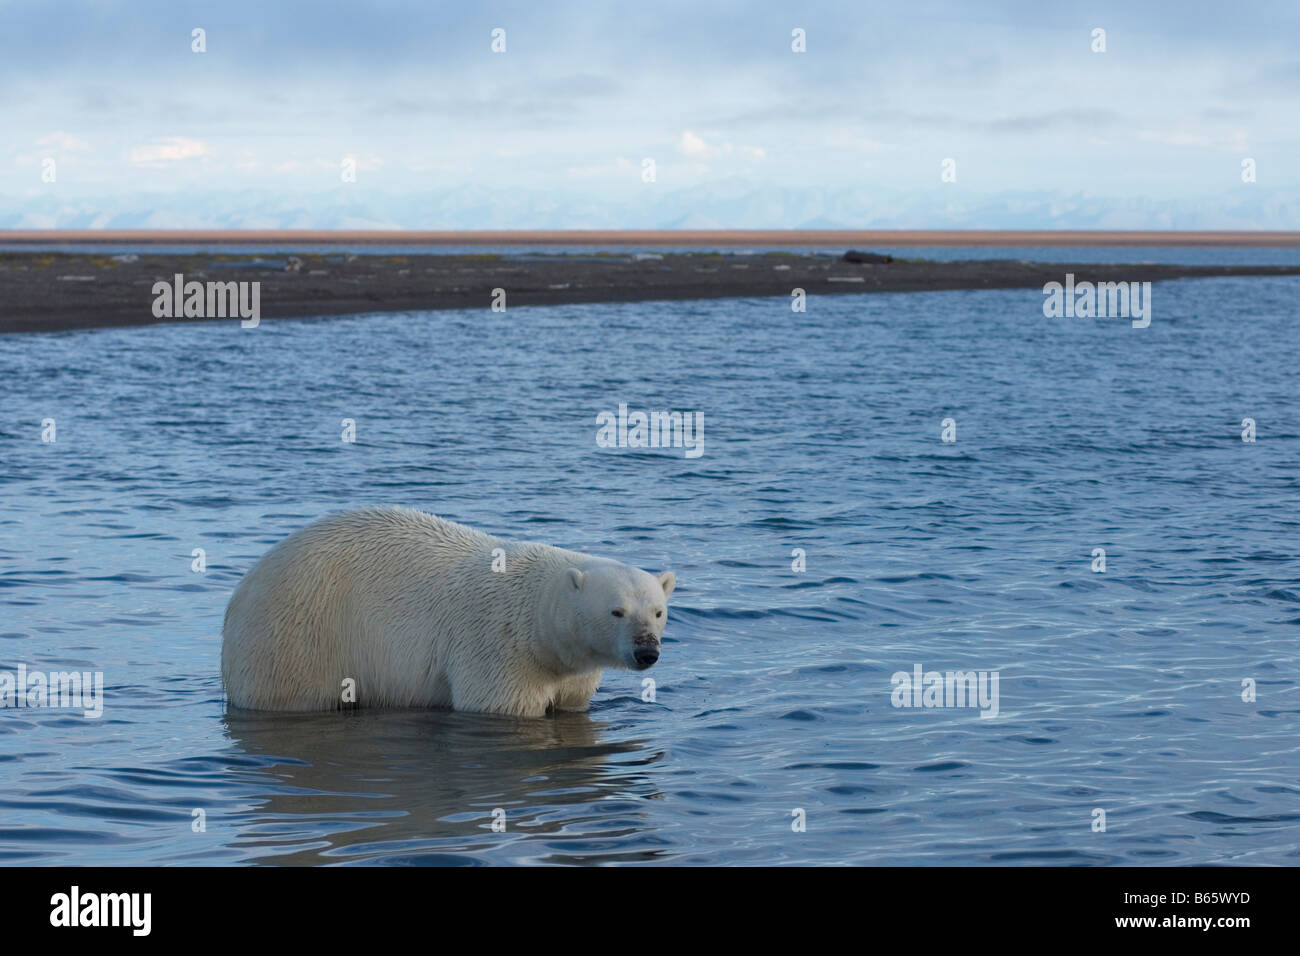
407	605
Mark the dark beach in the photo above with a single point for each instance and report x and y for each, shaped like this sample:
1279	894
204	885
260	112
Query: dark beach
45	291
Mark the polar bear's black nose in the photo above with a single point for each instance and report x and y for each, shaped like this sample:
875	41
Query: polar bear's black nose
645	656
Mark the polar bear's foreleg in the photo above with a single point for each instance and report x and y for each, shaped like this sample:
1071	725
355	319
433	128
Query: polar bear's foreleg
575	693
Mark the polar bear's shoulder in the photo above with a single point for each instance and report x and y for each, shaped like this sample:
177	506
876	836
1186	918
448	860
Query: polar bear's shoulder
394	529
398	520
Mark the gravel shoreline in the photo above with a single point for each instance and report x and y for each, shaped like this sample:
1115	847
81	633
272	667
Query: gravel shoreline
48	292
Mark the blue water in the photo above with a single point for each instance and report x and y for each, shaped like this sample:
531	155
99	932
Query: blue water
1119	691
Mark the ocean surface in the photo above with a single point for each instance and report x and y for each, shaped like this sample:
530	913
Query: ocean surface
1158	697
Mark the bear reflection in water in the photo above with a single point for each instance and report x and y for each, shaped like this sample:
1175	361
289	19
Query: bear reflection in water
402	786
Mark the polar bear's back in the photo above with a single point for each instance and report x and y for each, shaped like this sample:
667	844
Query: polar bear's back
355	595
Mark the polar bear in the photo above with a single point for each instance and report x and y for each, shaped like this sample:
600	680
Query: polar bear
392	607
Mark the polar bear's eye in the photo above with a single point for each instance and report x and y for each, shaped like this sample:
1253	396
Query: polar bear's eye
618	613
659	613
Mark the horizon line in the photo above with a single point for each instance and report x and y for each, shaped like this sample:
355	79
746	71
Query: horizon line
1258	238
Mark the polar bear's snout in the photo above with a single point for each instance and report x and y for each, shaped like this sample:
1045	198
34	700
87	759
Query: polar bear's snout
645	650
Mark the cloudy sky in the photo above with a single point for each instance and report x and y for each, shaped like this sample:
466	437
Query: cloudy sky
555	130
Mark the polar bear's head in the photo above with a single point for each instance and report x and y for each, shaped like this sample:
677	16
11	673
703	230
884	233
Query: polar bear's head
616	614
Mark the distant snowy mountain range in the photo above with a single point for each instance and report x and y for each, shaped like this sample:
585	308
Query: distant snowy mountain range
726	205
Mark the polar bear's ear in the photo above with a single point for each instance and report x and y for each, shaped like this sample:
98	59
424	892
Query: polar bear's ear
575	578
669	581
